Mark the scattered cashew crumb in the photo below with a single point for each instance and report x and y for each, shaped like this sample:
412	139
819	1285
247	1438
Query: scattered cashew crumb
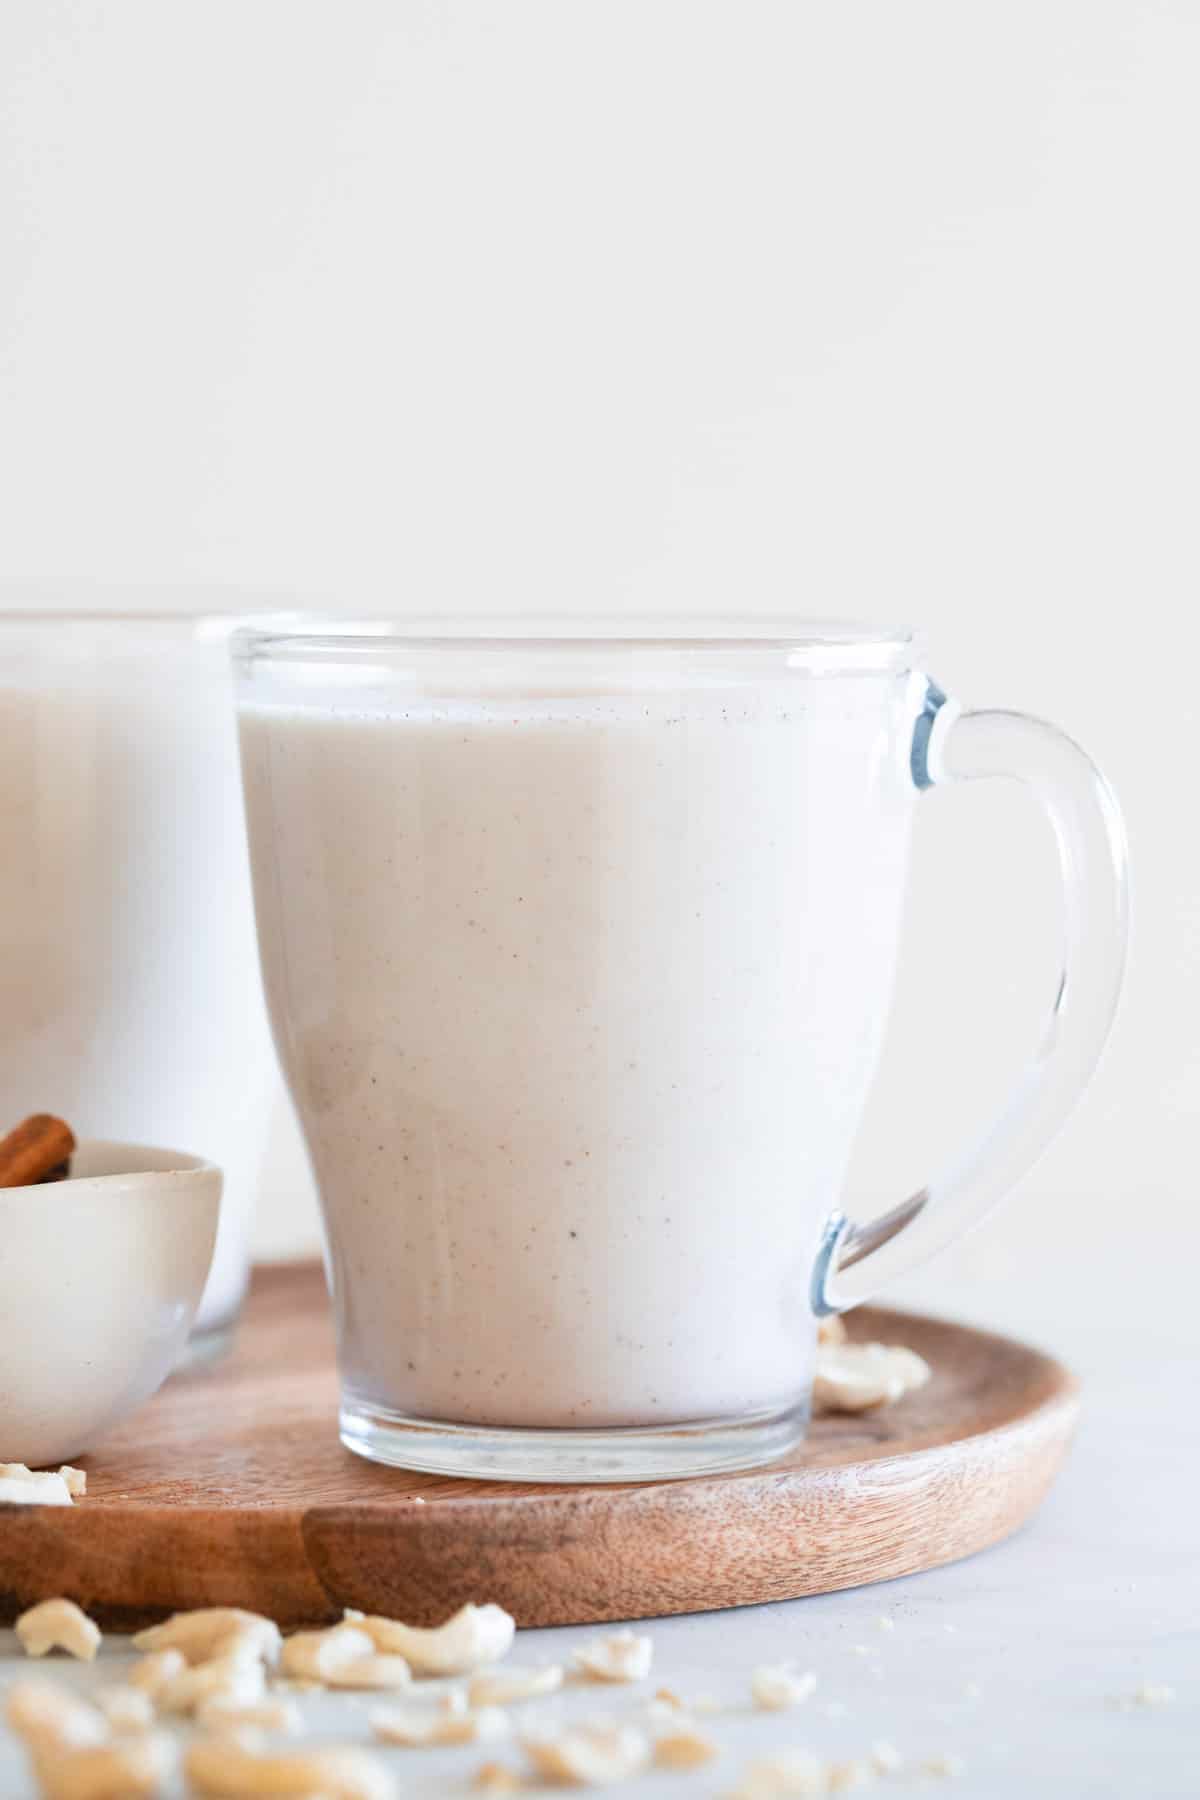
45	1715
945	1763
220	1714
418	1728
682	1745
885	1622
774	1689
58	1625
502	1687
48	1485
864	1649
831	1329
155	1671
886	1758
226	1770
470	1639
316	1655
370	1674
704	1705
622	1656
588	1755
32	1489
792	1772
127	1709
212	1631
1154	1693
134	1768
846	1777
669	1697
972	1690
854	1377
233	1678
497	1778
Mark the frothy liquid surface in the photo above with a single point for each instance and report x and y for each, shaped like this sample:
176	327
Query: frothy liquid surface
579	1000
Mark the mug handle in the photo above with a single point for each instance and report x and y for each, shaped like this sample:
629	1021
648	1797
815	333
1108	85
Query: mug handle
951	745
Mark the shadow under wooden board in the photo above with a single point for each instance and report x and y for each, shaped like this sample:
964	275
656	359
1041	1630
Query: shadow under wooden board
231	1488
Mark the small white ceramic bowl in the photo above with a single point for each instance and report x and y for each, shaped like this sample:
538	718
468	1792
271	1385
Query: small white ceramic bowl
100	1278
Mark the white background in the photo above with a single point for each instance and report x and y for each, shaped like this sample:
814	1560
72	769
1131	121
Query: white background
856	310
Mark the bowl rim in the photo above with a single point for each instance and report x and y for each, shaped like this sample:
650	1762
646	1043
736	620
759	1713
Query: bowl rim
185	1169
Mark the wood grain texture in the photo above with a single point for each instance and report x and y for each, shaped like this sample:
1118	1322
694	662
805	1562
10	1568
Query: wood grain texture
231	1488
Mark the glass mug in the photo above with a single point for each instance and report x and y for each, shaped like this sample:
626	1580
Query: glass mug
130	995
577	951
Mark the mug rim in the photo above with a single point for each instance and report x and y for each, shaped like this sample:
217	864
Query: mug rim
212	621
829	644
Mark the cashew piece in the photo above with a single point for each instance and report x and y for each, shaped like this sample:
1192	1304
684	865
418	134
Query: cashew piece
792	1772
207	1633
845	1777
497	1778
128	1710
501	1687
623	1656
854	1377
74	1480
775	1689
135	1769
683	1745
32	1489
154	1672
470	1639
234	1678
421	1728
588	1755
222	1714
315	1655
58	1625
944	1763
46	1716
225	1770
370	1673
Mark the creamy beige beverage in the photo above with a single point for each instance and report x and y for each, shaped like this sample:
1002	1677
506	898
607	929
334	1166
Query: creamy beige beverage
130	995
579	999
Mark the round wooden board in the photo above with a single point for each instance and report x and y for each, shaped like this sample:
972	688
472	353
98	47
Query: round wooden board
231	1488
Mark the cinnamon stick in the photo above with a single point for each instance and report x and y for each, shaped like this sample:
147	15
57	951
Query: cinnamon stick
35	1150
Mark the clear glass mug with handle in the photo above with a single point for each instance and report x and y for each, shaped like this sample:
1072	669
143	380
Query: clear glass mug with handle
578	951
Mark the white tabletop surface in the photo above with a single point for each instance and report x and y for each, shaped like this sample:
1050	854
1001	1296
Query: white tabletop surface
1024	1661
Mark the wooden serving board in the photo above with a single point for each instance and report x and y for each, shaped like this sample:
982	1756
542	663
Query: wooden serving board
231	1488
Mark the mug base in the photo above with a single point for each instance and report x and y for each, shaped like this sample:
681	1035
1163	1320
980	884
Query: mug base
646	1453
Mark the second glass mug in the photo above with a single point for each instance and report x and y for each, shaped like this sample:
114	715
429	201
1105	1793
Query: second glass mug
130	998
578	953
